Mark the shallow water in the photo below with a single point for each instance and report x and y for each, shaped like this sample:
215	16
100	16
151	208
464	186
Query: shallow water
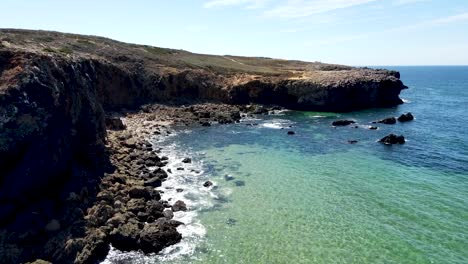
314	198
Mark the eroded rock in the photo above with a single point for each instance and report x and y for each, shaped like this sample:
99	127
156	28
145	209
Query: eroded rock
406	117
343	122
392	139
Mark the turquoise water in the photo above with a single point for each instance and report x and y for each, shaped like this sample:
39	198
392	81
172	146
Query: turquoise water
314	198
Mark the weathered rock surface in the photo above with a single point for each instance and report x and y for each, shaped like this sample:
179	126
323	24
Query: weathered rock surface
406	117
179	206
387	121
208	184
392	139
343	122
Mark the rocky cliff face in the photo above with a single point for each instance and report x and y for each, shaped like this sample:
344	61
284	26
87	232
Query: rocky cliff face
52	126
55	90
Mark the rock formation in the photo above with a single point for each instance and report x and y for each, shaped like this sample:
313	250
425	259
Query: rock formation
55	92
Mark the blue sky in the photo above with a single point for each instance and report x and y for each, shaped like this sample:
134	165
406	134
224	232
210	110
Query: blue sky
354	32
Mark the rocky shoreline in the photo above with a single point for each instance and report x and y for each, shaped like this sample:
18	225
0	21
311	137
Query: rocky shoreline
69	187
127	211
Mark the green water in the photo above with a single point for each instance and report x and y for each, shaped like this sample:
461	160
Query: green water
314	198
336	209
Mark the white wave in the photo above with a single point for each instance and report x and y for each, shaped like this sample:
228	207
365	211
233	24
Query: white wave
185	185
277	124
279	112
406	101
272	125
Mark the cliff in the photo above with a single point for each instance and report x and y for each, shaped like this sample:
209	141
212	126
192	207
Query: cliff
55	90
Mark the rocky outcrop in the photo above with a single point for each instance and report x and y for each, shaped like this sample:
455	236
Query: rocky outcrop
340	91
343	122
406	117
392	139
386	121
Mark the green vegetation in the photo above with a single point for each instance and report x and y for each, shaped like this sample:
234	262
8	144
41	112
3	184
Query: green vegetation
49	49
157	51
65	50
46	39
84	41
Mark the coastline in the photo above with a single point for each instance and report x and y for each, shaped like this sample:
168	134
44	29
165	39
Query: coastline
71	187
153	124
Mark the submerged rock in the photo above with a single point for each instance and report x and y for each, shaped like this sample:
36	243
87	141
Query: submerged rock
228	177
291	133
239	183
231	221
207	184
406	117
387	121
392	139
343	122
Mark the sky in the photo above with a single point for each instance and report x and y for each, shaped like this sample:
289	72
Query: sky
352	32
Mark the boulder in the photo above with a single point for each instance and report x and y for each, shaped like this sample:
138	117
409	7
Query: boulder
207	184
139	192
125	237
387	121
406	117
154	208
187	160
117	220
343	122
291	132
151	156
99	214
160	173
179	206
136	205
168	213
96	248
157	235
392	139
153	182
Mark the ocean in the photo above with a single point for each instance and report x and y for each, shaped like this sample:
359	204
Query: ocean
314	198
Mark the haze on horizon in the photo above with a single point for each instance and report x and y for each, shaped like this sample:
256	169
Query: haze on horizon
353	32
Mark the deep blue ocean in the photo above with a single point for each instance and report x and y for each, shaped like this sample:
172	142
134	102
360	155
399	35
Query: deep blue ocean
315	198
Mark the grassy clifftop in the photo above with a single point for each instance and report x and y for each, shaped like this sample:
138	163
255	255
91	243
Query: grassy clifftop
55	43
